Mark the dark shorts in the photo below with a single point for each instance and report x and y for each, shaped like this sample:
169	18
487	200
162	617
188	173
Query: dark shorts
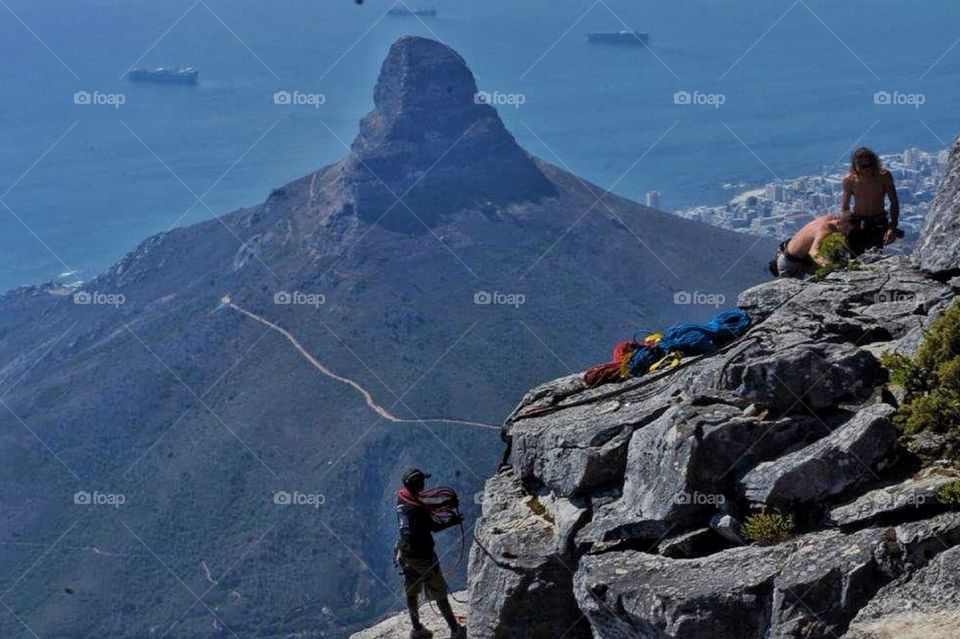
788	266
424	574
867	234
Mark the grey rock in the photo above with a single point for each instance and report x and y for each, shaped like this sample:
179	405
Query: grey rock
826	581
679	467
398	626
576	439
762	300
635	595
795	374
728	527
938	249
519	584
847	458
924	606
900	499
919	541
809	587
696	543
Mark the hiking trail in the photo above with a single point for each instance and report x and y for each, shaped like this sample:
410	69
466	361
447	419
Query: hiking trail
382	412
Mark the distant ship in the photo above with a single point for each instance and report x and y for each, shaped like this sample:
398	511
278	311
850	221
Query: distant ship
166	75
428	12
619	37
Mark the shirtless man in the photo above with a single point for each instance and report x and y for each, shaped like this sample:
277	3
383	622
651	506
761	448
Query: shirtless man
869	184
800	255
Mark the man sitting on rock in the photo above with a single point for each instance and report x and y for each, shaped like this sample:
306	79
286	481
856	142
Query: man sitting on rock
800	255
416	556
870	185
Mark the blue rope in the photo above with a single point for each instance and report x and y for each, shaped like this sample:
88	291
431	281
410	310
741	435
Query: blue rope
692	339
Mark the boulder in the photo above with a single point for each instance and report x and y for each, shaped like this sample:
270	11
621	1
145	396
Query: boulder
681	468
938	249
635	595
579	449
924	606
847	458
520	585
809	587
902	499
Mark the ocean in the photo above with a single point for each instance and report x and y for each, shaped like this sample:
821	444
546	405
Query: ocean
731	91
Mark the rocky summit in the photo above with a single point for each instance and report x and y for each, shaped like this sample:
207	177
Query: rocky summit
430	127
622	513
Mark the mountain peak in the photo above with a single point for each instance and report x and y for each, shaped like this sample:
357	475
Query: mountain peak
421	77
431	142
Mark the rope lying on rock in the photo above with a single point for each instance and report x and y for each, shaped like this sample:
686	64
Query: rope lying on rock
382	412
665	350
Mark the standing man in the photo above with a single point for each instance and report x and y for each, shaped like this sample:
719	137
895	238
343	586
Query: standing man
870	185
417	558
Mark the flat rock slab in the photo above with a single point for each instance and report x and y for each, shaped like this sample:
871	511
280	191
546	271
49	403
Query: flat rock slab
899	499
847	458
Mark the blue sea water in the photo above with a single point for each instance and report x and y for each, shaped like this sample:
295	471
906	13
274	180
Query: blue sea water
83	184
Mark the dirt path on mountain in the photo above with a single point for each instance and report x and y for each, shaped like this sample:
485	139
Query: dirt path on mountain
367	396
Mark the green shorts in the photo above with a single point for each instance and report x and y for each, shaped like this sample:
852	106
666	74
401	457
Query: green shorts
424	574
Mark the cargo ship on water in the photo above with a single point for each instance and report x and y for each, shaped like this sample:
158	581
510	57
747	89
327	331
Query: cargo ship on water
619	37
424	12
166	75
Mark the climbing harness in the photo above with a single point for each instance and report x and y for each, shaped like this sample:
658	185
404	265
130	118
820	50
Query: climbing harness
382	412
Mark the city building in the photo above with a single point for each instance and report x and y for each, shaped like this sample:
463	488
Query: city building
653	199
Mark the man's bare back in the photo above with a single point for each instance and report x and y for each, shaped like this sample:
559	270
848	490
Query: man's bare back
806	242
869	192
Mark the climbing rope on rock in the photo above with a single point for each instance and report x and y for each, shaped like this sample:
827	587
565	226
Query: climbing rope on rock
662	351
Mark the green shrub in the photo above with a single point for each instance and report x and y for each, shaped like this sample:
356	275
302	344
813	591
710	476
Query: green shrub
931	381
768	527
834	250
949	494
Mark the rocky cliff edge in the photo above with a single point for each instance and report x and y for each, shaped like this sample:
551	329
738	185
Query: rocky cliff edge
621	514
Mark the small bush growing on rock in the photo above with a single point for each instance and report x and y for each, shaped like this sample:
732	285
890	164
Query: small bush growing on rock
949	494
931	382
768	527
834	250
